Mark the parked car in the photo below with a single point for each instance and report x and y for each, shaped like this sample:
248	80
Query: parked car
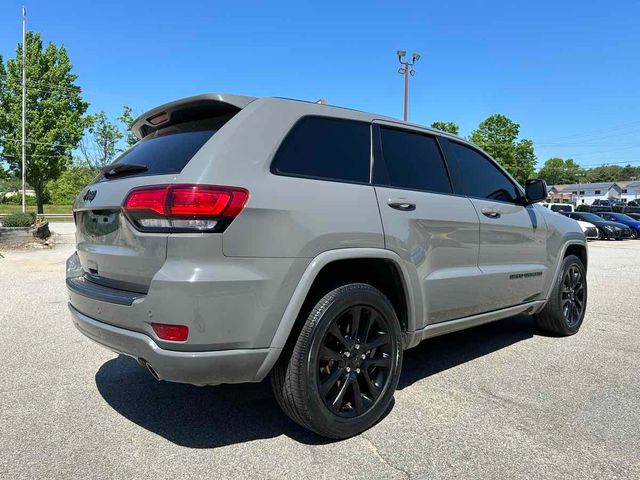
634	203
601	203
242	237
589	229
630	222
608	230
559	207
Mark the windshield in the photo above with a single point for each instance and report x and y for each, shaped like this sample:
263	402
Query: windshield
589	217
621	216
561	208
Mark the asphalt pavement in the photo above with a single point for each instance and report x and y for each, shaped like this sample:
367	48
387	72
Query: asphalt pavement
497	401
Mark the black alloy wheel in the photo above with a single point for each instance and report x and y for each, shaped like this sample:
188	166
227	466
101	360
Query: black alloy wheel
573	296
565	309
339	377
354	361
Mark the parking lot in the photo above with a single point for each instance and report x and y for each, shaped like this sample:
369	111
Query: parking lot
497	401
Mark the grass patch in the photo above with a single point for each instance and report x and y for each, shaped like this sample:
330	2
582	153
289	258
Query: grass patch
66	209
47	208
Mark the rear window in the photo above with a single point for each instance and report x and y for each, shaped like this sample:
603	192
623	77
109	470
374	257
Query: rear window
561	208
325	148
169	149
412	161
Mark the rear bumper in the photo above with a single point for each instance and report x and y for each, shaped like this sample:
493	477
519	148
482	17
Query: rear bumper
198	368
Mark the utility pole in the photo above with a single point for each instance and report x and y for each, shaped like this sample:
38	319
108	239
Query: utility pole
24	108
406	69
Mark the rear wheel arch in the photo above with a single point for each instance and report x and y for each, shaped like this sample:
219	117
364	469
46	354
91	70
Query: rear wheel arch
381	273
322	274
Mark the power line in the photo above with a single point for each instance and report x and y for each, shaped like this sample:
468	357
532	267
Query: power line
73	89
628	162
597	132
51	144
39	156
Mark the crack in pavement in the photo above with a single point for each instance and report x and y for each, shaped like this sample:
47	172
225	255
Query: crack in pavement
376	453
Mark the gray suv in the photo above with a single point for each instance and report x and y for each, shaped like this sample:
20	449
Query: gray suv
243	237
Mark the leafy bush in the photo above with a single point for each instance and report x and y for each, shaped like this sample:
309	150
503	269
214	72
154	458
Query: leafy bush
19	220
17	200
64	190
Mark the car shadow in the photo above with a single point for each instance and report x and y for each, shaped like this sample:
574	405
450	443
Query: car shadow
447	351
210	417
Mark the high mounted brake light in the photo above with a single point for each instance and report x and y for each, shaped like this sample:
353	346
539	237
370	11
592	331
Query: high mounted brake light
159	118
184	208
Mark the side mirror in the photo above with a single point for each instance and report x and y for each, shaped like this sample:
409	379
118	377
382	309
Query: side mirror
535	191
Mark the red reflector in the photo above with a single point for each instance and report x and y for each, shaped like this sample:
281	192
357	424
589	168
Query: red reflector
153	199
159	118
175	333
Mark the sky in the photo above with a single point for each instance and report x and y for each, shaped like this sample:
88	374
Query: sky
567	71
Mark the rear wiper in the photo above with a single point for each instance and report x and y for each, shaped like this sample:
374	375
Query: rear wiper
113	170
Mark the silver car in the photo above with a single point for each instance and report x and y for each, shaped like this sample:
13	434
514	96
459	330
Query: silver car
243	237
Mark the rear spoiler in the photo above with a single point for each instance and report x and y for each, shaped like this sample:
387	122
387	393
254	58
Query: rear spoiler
186	109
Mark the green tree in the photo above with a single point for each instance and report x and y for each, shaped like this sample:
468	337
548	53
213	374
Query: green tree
3	172
127	119
498	135
55	110
629	172
64	189
449	127
559	171
100	140
605	173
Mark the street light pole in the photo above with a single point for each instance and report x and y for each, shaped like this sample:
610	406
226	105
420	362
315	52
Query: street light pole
406	93
24	108
405	69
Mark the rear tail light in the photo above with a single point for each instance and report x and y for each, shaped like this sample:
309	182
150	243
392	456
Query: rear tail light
184	208
175	333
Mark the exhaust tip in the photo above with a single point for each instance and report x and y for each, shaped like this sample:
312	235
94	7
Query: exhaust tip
146	364
153	373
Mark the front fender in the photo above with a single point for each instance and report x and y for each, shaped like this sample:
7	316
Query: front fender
567	240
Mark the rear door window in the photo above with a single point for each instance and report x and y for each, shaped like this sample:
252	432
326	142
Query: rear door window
326	148
168	150
480	178
411	160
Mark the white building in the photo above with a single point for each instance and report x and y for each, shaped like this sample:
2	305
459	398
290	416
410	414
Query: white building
630	190
586	193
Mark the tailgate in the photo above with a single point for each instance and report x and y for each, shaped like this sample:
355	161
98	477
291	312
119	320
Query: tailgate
112	252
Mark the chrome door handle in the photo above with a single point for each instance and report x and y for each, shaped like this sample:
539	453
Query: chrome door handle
490	212
401	204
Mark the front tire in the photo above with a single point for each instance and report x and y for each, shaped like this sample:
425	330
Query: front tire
564	312
344	368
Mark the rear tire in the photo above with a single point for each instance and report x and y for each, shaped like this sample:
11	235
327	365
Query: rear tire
345	365
564	312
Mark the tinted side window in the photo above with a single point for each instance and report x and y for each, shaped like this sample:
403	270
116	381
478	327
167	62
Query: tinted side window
481	178
322	147
413	161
